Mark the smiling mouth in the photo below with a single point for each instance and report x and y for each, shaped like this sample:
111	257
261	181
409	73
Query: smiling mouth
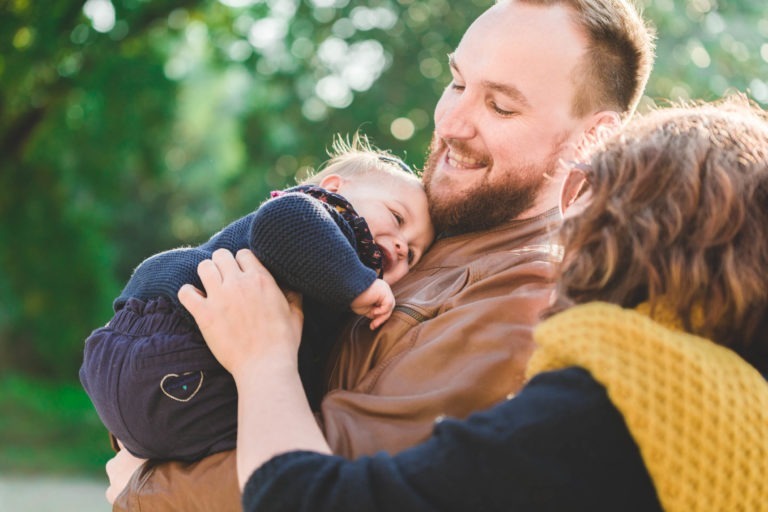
386	259
461	161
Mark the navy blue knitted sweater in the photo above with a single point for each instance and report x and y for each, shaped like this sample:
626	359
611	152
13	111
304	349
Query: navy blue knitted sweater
307	237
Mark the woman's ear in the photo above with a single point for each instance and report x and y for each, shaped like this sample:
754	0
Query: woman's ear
574	193
332	183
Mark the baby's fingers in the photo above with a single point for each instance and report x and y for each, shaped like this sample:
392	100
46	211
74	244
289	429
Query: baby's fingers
379	319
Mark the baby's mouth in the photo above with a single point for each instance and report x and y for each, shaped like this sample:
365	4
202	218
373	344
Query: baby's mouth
386	259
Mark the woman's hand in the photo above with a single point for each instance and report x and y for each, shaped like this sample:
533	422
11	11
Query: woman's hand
254	331
244	314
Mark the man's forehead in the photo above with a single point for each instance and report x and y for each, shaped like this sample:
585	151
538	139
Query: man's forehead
508	25
522	50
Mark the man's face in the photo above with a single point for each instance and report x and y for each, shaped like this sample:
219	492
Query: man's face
505	120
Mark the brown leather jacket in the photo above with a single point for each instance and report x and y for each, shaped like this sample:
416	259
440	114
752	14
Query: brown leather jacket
457	342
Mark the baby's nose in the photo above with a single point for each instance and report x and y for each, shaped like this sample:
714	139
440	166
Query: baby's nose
400	248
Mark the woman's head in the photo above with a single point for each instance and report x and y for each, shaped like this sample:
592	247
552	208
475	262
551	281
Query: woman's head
678	215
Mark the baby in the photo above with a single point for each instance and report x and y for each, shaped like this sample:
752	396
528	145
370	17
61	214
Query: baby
341	238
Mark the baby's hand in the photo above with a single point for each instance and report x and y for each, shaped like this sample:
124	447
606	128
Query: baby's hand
376	303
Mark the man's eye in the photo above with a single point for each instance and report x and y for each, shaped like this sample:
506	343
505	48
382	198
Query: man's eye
456	87
398	218
501	111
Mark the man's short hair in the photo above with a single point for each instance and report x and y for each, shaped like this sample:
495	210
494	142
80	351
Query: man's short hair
619	58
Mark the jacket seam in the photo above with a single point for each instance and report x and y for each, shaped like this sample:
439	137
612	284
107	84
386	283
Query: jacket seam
381	368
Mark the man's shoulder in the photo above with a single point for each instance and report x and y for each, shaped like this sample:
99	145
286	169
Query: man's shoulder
524	239
460	274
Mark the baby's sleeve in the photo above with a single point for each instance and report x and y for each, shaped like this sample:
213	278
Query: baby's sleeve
309	247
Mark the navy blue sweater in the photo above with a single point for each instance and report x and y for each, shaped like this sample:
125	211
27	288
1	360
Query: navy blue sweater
560	445
308	244
305	243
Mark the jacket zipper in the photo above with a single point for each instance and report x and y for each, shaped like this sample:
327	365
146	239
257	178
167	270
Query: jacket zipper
419	317
408	310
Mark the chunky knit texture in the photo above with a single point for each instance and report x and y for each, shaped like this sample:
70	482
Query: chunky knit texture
698	412
303	237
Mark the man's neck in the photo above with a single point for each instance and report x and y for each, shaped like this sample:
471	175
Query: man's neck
551	213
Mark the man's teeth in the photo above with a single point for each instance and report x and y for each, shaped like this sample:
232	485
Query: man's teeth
458	160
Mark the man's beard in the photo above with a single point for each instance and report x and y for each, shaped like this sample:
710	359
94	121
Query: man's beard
489	203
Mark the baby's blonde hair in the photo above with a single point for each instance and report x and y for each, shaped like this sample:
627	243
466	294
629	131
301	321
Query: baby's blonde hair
357	157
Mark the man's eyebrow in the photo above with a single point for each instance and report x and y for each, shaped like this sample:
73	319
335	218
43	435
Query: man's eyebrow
508	90
505	89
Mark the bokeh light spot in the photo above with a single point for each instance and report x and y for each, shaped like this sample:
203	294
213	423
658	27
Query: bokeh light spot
402	128
23	38
700	57
431	67
334	91
101	13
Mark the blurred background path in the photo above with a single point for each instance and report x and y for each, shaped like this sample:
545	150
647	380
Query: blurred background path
44	494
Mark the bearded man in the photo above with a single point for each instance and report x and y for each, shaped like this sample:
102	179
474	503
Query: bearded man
532	79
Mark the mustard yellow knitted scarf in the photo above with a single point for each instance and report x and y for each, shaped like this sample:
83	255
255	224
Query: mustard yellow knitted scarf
697	411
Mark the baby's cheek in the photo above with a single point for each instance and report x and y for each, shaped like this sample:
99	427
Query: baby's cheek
394	274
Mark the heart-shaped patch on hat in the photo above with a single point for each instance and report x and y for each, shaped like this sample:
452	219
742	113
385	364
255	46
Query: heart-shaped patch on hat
182	387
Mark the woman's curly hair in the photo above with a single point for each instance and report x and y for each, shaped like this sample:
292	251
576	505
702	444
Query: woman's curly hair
679	216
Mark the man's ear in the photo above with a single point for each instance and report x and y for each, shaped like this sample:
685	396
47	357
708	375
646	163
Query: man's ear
603	123
331	183
598	127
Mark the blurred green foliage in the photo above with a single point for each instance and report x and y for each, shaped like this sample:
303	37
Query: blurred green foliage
131	126
49	427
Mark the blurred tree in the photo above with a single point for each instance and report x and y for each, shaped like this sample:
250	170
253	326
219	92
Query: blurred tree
130	126
81	116
707	48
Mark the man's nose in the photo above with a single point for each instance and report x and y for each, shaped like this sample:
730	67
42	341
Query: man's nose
455	118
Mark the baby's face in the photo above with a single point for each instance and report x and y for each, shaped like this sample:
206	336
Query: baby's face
397	215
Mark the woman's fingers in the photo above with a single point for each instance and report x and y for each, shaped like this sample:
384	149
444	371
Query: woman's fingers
252	266
226	263
210	275
192	299
248	261
243	314
222	267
